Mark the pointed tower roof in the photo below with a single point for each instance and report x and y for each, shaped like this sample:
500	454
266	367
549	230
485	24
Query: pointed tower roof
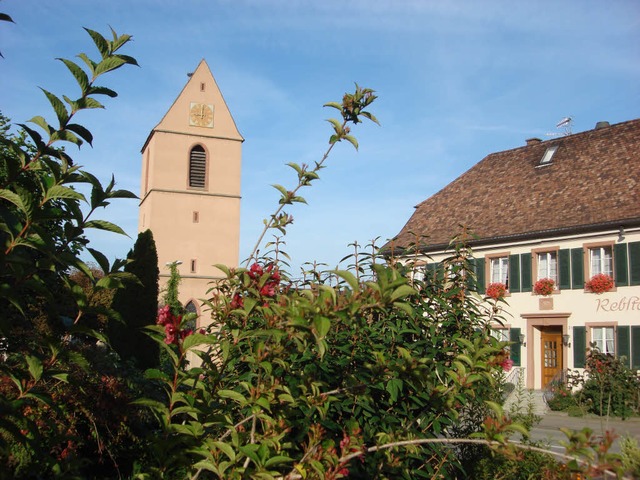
201	88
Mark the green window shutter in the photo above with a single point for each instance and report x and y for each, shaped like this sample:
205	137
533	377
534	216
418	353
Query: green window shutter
430	273
514	273
577	268
525	265
635	347
622	343
564	269
516	348
620	264
634	263
440	271
579	347
480	282
469	280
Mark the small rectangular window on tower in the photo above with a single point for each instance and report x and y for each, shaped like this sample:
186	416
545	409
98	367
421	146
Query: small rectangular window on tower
193	266
196	217
202	85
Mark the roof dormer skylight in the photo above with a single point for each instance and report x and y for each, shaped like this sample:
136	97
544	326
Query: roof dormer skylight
548	155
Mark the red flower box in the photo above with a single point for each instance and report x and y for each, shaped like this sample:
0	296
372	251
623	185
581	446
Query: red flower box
496	290
544	286
599	283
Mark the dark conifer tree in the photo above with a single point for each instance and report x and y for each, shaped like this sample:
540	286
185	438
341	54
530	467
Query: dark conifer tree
138	305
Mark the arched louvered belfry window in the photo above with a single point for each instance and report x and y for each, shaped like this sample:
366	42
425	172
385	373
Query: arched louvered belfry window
197	167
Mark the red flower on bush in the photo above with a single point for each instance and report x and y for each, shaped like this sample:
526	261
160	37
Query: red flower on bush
507	364
255	271
544	286
600	283
237	301
496	290
269	287
171	323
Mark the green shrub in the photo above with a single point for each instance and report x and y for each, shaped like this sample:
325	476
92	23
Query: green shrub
525	465
561	397
630	453
611	388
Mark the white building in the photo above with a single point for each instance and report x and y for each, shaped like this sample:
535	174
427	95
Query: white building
565	209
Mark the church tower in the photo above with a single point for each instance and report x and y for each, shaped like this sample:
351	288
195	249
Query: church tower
190	187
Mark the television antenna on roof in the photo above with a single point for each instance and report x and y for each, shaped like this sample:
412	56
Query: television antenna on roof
565	124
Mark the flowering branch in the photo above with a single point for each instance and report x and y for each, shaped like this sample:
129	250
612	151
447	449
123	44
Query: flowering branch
352	109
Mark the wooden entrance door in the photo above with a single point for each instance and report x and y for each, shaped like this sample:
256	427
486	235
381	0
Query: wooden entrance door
551	355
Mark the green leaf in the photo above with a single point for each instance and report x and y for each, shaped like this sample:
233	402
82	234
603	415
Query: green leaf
103	261
35	367
88	102
352	140
197	339
335	105
42	123
322	326
78	73
250	451
104	225
95	90
405	307
121	194
282	190
226	449
348	277
152	404
264	403
296	167
277	460
63	377
100	41
370	116
58	107
402	291
495	407
109	64
394	386
13	198
155	374
90	63
35	136
81	131
337	126
65	136
516	427
40	397
232	395
128	60
58	191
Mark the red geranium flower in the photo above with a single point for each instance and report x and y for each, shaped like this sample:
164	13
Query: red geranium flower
496	290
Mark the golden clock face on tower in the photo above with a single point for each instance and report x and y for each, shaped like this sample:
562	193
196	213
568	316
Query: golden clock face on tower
201	115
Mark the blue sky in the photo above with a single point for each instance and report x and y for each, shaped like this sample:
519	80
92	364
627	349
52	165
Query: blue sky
456	81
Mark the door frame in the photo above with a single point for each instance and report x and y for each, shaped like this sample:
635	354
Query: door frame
535	322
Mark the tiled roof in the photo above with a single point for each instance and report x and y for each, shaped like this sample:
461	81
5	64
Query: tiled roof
592	180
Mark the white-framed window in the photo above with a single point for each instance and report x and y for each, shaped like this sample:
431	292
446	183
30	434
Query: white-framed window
548	266
601	260
603	339
418	273
499	270
500	334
